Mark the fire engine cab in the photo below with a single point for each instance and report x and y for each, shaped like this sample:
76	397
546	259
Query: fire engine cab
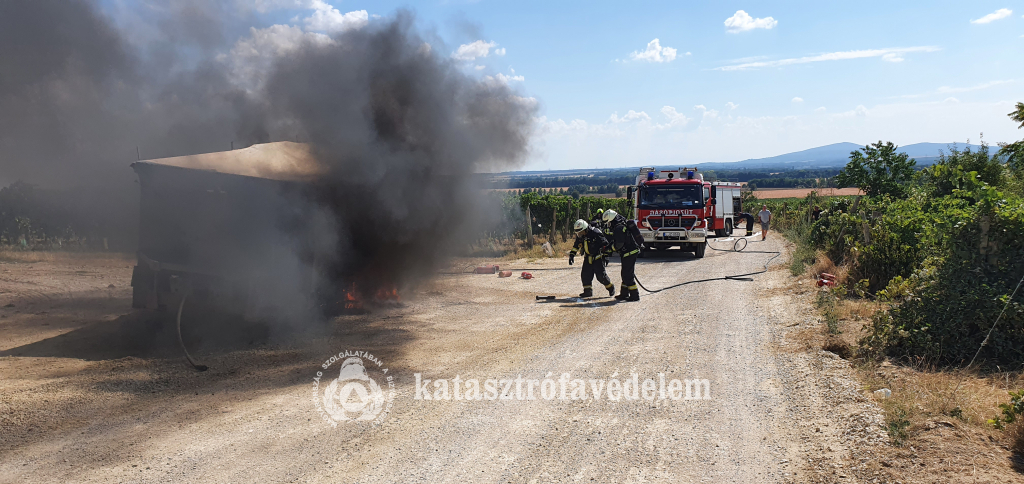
677	208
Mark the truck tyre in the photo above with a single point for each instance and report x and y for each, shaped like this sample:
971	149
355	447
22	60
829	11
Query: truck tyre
699	251
728	228
143	283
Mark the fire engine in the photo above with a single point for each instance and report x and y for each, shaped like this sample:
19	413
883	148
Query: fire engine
678	208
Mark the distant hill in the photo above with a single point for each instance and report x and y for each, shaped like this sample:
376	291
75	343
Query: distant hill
829	156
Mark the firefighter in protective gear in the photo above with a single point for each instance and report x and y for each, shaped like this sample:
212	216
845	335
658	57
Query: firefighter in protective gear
626	240
593	244
597	222
749	219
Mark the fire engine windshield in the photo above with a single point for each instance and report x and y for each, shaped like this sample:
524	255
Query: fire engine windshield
679	196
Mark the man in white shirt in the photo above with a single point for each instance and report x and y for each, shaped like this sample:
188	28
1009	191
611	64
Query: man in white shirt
765	216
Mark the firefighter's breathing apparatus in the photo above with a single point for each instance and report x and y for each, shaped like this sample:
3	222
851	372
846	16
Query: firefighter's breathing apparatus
738	246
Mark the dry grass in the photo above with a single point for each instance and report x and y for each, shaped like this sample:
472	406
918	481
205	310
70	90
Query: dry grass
34	256
559	248
518	249
857	310
822	264
931	393
1015	435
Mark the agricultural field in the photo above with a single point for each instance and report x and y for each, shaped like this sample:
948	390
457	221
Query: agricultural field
803	192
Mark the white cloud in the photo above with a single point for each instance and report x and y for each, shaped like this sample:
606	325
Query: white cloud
251	57
820	109
731	105
859	111
500	78
978	87
951	100
705	112
798	99
475	49
630	116
479	68
654	53
955	90
832	56
893	57
326	18
499	52
675	118
992	17
742	21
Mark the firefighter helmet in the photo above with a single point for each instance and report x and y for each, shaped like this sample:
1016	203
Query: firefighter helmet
580	225
609	215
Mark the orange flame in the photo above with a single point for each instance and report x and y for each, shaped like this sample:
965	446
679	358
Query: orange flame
352	298
388	294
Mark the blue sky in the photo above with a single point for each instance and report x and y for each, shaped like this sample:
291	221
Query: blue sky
780	77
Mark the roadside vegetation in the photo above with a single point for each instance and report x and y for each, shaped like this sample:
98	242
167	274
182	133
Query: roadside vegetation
931	263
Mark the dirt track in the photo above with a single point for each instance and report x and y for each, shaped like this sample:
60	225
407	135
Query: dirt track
92	393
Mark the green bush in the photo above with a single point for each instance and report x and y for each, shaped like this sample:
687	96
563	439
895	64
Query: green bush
1012	411
977	260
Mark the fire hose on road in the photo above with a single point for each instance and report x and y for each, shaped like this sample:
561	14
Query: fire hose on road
738	246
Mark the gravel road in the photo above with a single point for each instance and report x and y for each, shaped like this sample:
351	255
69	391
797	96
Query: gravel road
105	397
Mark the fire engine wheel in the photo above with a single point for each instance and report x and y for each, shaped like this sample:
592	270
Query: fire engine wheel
728	228
699	251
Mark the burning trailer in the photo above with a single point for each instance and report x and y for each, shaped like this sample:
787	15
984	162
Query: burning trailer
226	228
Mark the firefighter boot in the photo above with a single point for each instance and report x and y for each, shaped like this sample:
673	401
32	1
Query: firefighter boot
611	289
587	292
623	294
634	295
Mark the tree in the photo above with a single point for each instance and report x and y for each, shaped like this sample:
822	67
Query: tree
964	170
1014	152
878	169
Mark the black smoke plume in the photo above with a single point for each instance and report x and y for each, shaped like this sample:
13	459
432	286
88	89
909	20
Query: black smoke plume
399	127
401	130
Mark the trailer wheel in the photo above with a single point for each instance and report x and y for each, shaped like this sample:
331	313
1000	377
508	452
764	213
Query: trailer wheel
144	293
699	250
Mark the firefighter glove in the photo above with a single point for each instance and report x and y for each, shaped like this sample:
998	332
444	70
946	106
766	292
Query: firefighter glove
572	258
